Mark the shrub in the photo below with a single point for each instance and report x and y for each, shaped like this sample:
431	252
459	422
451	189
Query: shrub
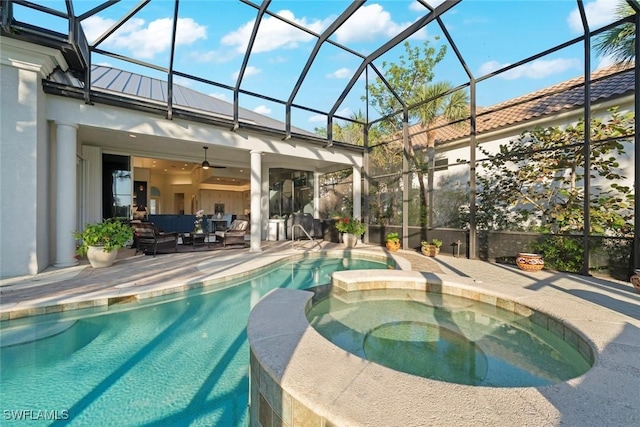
111	234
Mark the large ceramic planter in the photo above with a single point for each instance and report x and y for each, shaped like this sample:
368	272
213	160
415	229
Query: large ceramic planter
393	246
349	240
430	250
98	258
635	280
529	262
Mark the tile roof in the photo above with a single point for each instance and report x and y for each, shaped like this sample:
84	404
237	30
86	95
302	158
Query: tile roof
608	83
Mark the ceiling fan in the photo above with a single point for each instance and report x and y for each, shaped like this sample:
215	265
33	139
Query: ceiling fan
206	165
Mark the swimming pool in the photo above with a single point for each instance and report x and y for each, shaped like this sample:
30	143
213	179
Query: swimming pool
176	361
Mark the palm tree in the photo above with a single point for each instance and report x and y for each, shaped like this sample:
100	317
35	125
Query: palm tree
450	107
619	42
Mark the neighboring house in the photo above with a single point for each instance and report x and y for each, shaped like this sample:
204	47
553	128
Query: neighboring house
558	105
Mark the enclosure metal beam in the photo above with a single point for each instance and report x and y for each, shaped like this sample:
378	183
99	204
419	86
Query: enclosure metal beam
406	33
473	232
405	178
245	61
587	140
337	23
120	23
636	222
174	29
97	9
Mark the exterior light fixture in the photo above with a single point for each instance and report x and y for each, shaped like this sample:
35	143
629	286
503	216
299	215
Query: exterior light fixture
205	164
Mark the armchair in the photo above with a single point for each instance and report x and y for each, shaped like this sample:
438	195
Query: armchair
149	239
234	234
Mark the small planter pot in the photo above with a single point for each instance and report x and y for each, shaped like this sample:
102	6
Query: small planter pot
393	246
98	258
430	250
635	280
349	240
529	262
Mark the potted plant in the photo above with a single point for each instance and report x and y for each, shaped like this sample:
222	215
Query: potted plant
351	230
431	247
393	242
101	241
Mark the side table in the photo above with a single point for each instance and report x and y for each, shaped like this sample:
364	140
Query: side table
195	239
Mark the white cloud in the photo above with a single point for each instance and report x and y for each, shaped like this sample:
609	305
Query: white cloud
318	118
248	72
605	61
369	23
94	26
599	13
262	109
104	64
537	69
345	112
213	56
145	41
417	7
341	73
274	33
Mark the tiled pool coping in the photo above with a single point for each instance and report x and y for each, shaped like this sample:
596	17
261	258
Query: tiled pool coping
128	290
300	378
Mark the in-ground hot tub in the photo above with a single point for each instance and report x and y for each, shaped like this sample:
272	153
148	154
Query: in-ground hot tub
446	337
298	377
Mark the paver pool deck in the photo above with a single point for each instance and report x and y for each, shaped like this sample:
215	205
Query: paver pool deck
607	311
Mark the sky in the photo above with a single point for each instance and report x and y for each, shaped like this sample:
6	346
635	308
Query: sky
212	37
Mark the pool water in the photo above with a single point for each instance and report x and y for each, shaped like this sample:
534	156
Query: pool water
173	362
446	338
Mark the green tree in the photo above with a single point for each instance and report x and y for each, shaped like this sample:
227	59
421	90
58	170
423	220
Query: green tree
619	42
351	132
533	182
410	80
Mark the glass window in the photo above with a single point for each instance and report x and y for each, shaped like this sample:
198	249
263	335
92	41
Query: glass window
117	195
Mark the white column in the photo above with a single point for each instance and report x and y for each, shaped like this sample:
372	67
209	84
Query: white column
65	194
357	193
256	195
316	194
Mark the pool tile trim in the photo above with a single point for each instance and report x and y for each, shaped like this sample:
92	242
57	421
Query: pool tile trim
122	293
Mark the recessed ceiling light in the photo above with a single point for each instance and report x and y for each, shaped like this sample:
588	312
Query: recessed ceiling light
132	135
241	170
165	170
